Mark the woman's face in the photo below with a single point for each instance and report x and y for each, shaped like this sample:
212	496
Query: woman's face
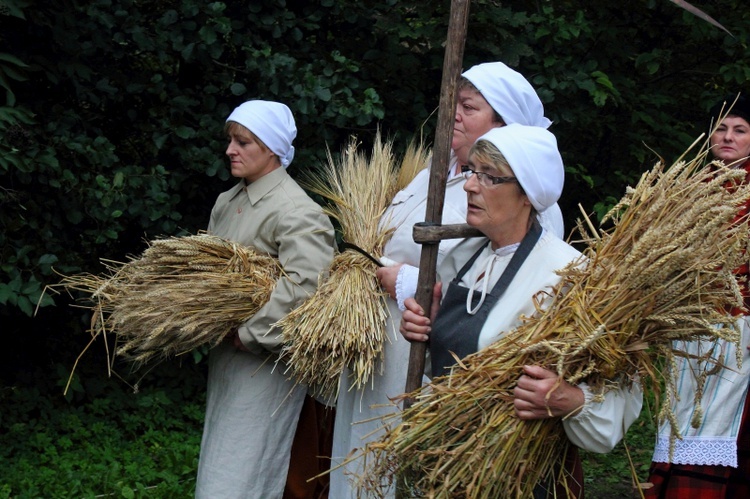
474	118
249	159
500	211
731	140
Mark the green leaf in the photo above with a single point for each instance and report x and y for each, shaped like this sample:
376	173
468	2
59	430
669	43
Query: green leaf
25	305
13	60
184	132
5	293
47	259
15	284
323	94
187	52
208	35
30	287
42	299
14	9
238	89
74	216
13	74
159	140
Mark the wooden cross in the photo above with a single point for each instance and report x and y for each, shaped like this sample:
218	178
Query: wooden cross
431	232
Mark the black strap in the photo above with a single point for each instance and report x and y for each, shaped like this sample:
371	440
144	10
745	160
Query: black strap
468	264
350	246
527	244
455	330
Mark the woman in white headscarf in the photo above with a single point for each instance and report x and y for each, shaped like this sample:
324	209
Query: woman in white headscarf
712	459
251	407
489	95
513	173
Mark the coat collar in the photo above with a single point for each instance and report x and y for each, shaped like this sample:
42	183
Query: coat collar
255	191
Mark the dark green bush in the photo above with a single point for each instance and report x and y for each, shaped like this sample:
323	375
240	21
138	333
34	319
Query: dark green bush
111	129
107	440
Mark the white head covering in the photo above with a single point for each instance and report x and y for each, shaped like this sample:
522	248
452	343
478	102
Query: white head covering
509	94
272	123
532	154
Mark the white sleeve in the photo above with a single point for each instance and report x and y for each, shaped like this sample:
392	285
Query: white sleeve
406	284
601	424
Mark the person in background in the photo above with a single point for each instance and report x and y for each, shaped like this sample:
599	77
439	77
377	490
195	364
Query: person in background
712	460
489	95
252	408
513	173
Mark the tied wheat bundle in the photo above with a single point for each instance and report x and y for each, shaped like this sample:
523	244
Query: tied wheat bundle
344	322
181	293
663	271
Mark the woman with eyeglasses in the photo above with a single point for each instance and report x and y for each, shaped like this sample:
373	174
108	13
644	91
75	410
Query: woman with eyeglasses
513	173
489	95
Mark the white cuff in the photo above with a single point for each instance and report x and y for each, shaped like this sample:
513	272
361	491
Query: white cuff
406	284
585	413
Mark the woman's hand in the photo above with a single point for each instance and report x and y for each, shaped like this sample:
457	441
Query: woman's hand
531	395
415	326
387	277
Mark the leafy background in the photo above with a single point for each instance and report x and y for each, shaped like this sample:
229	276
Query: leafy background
111	115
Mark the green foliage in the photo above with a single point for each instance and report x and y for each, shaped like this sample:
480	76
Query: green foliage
611	475
111	130
10	69
109	442
115	136
623	84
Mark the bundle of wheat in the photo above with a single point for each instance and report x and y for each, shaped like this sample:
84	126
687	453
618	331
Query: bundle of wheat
181	293
343	322
662	272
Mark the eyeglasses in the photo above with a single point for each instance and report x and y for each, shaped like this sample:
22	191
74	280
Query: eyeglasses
485	179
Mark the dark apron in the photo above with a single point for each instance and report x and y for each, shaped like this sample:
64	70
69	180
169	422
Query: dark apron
454	329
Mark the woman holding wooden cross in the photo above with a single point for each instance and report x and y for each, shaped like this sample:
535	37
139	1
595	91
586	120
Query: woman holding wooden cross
489	95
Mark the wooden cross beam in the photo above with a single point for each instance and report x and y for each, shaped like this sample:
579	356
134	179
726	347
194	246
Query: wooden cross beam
454	52
424	233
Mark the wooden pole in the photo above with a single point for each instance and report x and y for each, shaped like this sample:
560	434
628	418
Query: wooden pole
454	53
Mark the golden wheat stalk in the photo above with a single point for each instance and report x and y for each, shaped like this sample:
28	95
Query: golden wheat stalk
662	272
181	293
344	322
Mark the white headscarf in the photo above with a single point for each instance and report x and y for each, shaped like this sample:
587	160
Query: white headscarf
532	154
509	94
272	123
